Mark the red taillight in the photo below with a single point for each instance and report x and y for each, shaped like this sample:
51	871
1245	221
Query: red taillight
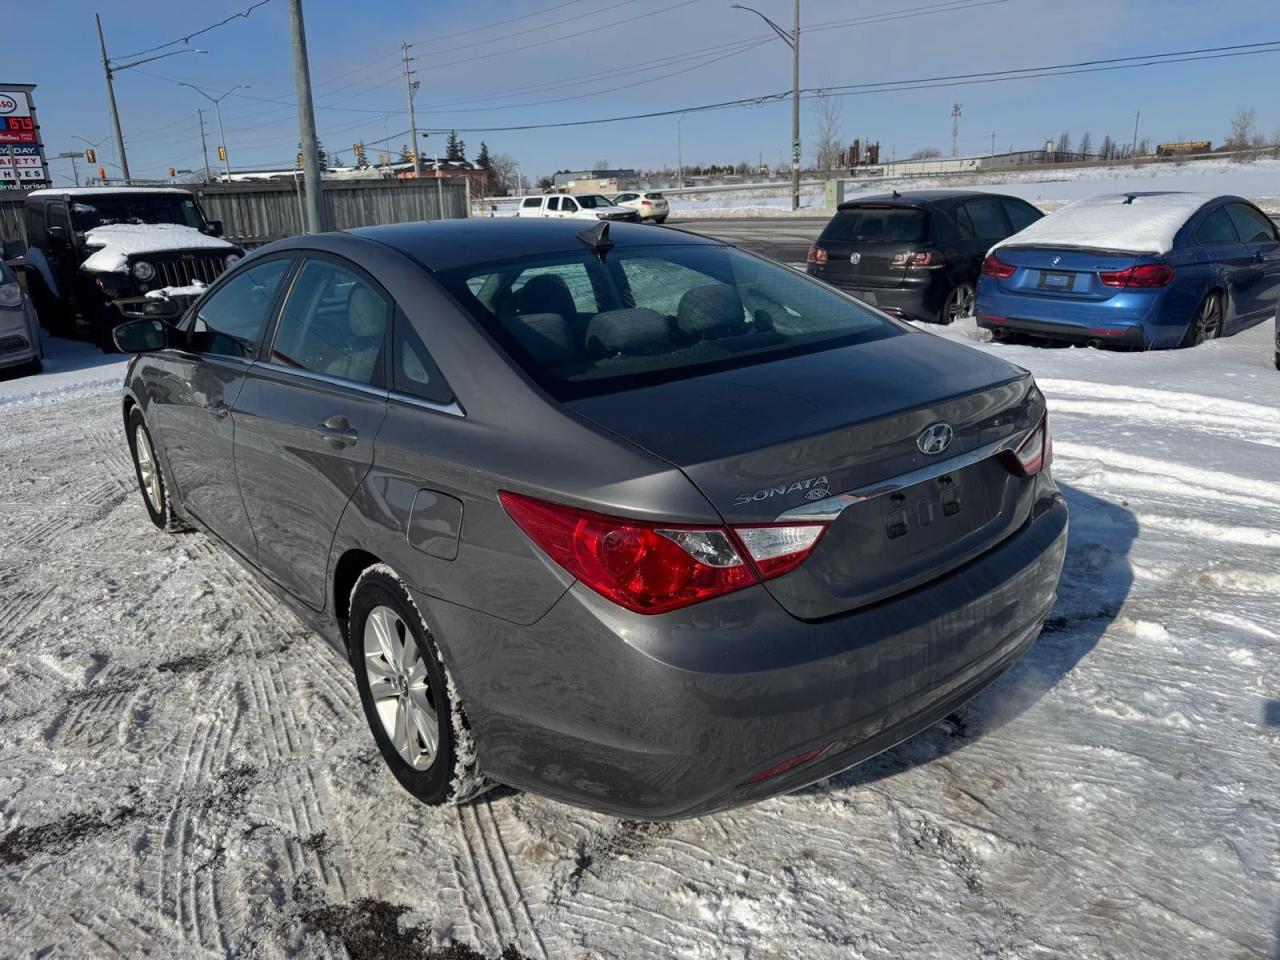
652	567
646	203
993	266
816	255
1143	275
922	260
1035	453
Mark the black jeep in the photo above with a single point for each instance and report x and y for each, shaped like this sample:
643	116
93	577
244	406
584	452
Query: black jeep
101	255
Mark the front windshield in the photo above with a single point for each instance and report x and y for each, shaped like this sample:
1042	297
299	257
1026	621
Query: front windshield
90	212
592	201
582	325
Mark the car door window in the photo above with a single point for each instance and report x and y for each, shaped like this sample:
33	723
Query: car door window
985	218
532	202
413	372
334	322
1251	224
569	206
229	323
553	203
1216	229
1021	215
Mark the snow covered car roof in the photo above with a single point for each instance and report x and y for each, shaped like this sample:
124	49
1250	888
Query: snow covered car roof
119	241
102	191
1127	222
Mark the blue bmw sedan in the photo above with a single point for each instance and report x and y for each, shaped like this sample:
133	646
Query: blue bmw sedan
1138	270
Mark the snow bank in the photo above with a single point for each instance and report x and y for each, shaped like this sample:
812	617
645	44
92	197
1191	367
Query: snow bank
122	240
1132	222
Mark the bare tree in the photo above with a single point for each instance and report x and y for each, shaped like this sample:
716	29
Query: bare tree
1085	147
504	176
1064	145
926	153
1243	130
828	142
602	165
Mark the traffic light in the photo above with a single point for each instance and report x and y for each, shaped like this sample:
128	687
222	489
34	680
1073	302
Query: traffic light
91	155
102	173
173	172
222	154
298	162
358	149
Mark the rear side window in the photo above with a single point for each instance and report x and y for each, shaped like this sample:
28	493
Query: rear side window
413	372
229	322
532	202
1252	226
655	314
334	323
1021	215
553	203
984	218
1216	229
879	225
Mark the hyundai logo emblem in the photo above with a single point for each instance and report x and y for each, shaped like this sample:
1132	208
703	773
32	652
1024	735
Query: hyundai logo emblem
855	257
935	438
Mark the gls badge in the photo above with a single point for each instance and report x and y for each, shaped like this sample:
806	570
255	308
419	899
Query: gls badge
815	488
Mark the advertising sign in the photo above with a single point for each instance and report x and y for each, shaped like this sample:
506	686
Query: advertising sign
22	159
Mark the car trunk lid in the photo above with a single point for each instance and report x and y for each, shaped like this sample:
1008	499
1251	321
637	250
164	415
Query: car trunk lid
862	241
1063	272
782	437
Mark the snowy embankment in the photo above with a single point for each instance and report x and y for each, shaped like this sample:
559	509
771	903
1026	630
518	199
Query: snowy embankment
187	771
1259	181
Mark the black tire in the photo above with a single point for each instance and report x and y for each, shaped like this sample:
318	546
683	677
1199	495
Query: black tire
959	303
661	219
451	775
53	315
163	515
1208	321
103	324
1278	359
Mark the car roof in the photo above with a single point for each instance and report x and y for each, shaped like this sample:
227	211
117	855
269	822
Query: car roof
57	193
922	197
446	244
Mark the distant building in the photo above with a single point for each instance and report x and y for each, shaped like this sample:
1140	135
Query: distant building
586	181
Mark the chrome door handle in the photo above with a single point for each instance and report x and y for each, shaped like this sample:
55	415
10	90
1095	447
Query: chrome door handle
338	432
219	410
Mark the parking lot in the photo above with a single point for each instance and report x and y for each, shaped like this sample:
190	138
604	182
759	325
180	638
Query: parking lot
187	771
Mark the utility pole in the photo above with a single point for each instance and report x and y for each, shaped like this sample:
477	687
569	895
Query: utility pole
411	87
311	174
680	150
1136	117
204	146
993	143
111	100
791	39
955	129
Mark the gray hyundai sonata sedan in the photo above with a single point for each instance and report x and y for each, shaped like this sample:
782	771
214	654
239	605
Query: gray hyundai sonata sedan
622	515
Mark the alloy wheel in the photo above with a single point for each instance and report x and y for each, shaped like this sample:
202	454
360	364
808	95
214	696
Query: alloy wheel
400	687
1209	319
148	471
959	303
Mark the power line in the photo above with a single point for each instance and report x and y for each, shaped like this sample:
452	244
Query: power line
191	36
892	86
501	23
544	26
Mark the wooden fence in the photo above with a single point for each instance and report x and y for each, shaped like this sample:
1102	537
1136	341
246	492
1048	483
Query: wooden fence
256	213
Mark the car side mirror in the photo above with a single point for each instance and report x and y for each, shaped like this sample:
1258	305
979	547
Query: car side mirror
215	228
140	336
57	233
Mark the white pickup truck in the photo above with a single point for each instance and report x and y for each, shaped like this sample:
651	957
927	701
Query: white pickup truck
588	206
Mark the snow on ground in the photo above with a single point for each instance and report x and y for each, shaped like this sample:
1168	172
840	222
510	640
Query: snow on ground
187	773
1260	181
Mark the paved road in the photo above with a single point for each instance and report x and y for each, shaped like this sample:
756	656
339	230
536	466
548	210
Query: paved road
783	238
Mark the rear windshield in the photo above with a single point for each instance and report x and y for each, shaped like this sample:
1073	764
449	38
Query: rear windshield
879	225
653	196
580	325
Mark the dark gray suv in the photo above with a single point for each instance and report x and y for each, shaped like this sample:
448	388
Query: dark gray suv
622	515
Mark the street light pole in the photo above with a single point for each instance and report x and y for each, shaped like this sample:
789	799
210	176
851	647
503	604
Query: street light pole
110	70
791	39
217	108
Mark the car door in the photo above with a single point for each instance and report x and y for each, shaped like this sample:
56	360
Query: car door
194	385
60	251
307	417
568	207
1258	273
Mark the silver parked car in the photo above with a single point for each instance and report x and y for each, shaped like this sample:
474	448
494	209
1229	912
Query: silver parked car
20	346
624	516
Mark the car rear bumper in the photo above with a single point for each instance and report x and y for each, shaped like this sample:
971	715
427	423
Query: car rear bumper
920	297
19	336
673	716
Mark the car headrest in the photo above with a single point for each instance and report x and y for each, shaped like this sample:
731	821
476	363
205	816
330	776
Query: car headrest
548	337
634	332
366	312
546	293
713	310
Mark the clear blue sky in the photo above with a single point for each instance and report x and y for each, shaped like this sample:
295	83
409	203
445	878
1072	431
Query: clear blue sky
360	90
